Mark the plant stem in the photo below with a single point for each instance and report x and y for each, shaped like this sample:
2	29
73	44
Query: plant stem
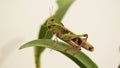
37	56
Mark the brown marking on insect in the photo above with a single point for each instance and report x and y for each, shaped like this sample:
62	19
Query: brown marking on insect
52	19
63	31
51	26
78	41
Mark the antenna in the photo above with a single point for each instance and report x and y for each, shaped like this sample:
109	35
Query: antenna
51	8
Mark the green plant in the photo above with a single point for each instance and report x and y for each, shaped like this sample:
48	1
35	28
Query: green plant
40	44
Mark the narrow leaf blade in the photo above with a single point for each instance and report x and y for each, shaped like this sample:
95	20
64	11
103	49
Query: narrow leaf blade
80	58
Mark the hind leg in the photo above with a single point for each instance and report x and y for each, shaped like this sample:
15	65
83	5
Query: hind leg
67	49
77	50
79	46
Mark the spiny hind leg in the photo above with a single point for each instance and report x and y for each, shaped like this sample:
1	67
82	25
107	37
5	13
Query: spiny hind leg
80	45
72	36
70	47
77	50
84	39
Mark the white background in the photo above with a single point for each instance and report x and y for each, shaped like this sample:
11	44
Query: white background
20	21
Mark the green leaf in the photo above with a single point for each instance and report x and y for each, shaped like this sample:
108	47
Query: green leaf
80	58
63	6
119	66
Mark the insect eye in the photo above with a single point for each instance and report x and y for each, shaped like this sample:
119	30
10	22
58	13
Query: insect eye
52	19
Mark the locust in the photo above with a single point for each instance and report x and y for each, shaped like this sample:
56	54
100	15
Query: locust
76	41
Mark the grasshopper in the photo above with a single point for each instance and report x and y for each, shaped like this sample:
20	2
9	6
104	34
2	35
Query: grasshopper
76	41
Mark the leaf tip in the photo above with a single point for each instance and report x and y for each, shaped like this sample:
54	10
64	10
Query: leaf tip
21	47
